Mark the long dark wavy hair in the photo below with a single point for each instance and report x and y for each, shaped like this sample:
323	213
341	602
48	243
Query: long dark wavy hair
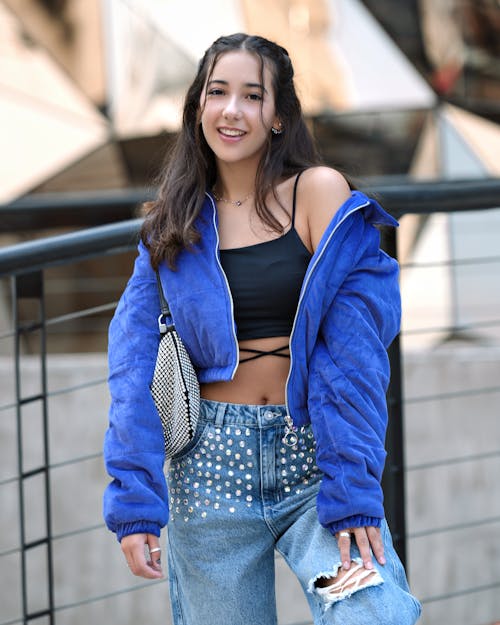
190	168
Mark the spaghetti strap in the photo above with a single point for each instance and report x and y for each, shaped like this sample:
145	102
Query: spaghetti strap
295	196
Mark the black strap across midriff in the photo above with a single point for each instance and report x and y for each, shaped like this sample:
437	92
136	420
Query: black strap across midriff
259	353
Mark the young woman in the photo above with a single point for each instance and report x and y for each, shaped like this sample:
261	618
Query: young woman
272	269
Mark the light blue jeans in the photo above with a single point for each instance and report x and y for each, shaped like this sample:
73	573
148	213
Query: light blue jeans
237	494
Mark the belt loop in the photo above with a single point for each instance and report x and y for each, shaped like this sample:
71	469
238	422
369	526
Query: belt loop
219	415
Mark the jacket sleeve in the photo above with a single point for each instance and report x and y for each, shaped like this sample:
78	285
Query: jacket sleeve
136	500
348	381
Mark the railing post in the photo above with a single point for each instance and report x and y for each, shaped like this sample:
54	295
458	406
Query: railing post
30	287
394	477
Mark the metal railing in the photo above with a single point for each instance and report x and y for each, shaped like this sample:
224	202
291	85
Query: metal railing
26	264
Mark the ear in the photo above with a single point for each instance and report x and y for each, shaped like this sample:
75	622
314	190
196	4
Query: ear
277	127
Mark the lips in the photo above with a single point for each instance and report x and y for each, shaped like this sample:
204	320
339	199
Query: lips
231	132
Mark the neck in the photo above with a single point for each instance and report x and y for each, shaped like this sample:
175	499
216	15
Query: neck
234	182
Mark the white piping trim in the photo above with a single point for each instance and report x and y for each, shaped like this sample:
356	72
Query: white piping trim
303	290
227	286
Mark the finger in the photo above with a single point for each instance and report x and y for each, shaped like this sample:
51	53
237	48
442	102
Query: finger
377	544
363	544
133	549
154	552
344	543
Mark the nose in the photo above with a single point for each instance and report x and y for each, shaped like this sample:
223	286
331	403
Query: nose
232	108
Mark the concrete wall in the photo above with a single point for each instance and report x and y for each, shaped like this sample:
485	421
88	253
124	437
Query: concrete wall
89	563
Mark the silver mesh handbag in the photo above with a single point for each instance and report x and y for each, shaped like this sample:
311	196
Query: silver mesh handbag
175	388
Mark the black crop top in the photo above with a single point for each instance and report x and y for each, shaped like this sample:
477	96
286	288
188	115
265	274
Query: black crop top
265	281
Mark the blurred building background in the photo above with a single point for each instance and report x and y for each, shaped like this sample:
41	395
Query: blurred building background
394	91
91	93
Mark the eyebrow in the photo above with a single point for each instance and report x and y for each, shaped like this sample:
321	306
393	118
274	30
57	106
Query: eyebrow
251	85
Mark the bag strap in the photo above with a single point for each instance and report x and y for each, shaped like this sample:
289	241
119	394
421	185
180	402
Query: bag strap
165	310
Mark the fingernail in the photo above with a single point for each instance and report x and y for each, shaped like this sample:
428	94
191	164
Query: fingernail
369	565
346	565
382	560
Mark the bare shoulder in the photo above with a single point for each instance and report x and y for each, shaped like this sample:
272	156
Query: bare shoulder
326	182
324	190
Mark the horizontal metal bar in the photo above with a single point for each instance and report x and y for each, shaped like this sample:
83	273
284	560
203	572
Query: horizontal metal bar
434	464
74	210
444	196
460	593
453	528
399	199
36	543
31	326
33	255
25	475
31	616
484	390
31	398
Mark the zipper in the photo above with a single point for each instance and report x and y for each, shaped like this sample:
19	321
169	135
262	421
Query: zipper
235	340
301	298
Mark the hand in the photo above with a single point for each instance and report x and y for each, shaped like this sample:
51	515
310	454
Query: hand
133	547
366	538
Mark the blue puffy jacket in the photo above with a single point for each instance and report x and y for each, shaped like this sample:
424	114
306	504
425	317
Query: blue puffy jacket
348	313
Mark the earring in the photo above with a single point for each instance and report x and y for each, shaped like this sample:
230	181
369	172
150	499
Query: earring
276	131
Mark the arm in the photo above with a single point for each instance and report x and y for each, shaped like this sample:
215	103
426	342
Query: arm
135	502
350	377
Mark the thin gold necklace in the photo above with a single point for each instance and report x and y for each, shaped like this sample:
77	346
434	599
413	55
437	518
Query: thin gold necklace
233	202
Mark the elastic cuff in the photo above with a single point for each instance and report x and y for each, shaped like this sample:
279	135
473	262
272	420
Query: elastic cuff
137	527
357	520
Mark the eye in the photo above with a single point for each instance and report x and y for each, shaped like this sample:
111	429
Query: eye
215	91
254	96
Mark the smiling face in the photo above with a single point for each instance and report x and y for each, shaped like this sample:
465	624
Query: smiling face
238	108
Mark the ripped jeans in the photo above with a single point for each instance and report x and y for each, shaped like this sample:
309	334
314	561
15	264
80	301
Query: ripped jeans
237	494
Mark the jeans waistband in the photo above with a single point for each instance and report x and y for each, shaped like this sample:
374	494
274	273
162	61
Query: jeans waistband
221	413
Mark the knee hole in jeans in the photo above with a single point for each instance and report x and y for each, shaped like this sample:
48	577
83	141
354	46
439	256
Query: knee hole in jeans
341	584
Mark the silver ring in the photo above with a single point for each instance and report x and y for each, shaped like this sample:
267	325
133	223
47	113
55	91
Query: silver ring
155	550
344	534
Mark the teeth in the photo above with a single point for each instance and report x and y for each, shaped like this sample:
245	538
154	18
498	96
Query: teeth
232	132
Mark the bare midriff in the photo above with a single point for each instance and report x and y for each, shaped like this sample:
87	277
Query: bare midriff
256	382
